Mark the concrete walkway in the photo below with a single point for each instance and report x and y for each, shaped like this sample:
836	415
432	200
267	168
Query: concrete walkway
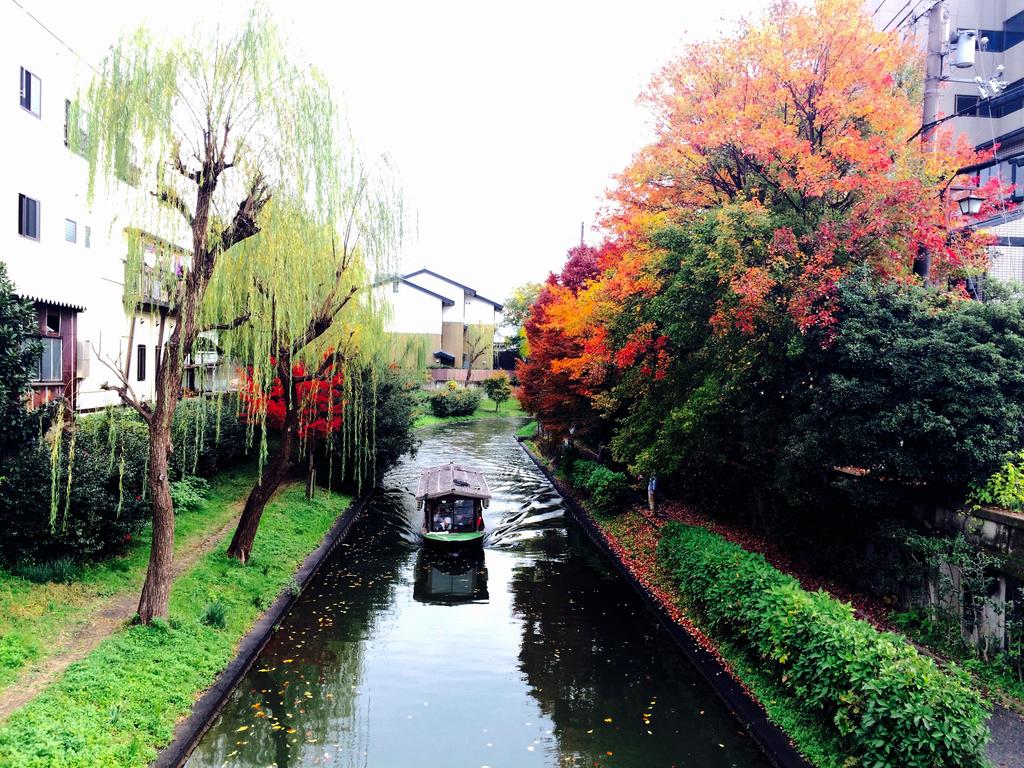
1006	749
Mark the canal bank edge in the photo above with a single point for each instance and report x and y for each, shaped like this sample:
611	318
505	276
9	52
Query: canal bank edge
771	739
189	731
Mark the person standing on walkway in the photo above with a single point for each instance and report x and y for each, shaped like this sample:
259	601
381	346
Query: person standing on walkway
652	486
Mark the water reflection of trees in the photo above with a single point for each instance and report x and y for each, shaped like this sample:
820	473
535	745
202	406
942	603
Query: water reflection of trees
299	699
591	652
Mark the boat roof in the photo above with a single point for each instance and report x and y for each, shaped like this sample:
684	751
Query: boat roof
452	480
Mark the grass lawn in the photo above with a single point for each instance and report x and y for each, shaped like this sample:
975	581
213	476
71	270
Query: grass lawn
117	706
32	615
528	430
485	410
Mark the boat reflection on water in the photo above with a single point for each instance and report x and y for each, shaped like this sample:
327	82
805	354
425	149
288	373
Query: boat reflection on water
450	578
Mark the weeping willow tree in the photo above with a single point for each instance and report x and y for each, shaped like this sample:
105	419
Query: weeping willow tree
201	134
306	281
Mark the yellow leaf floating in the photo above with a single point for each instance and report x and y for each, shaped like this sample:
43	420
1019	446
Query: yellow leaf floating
241	728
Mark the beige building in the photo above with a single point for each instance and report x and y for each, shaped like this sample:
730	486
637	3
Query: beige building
452	319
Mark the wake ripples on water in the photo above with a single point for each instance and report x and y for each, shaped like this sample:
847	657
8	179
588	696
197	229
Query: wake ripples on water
523	509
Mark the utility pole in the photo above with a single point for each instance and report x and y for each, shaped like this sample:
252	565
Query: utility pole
582	223
937	16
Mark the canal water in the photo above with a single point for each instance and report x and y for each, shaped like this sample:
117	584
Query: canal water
533	653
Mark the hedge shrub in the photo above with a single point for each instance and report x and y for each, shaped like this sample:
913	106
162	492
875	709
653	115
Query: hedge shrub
603	488
109	501
107	505
454	401
891	706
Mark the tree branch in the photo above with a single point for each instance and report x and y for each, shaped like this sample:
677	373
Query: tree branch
243	225
179	165
329	362
170	198
125	391
240	320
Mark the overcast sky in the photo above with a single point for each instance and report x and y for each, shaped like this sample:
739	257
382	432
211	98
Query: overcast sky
506	121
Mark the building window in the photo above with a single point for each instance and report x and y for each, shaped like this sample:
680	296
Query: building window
88	236
140	368
31	92
966	105
70	231
50	360
53	322
28	217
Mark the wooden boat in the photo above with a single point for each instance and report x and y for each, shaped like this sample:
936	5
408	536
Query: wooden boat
452	498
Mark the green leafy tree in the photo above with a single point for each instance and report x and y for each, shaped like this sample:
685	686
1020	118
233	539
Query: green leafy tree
499	389
317	329
516	311
19	352
914	388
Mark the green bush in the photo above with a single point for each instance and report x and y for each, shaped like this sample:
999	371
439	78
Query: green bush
189	493
1005	488
454	401
102	458
209	436
890	705
60	571
215	615
604	489
105	457
394	398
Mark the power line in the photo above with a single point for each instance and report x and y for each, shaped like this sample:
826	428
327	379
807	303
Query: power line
901	10
55	36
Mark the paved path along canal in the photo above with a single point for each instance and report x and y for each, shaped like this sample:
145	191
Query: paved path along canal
536	654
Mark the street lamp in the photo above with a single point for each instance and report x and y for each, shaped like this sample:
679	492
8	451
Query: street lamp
971	204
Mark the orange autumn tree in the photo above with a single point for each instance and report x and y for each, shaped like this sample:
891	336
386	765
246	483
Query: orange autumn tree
790	145
806	112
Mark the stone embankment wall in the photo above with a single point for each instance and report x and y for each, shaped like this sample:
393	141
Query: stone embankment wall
997	531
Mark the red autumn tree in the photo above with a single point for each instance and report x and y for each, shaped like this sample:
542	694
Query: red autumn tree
312	413
551	393
809	113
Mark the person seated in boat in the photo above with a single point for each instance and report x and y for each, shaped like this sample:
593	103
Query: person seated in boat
463	520
442	519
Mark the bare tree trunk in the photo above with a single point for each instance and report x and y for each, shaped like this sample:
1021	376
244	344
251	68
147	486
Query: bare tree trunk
310	467
274	474
156	590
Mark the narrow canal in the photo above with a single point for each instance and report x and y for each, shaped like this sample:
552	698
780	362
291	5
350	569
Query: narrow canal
535	653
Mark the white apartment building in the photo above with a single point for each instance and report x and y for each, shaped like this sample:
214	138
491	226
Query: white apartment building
67	254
